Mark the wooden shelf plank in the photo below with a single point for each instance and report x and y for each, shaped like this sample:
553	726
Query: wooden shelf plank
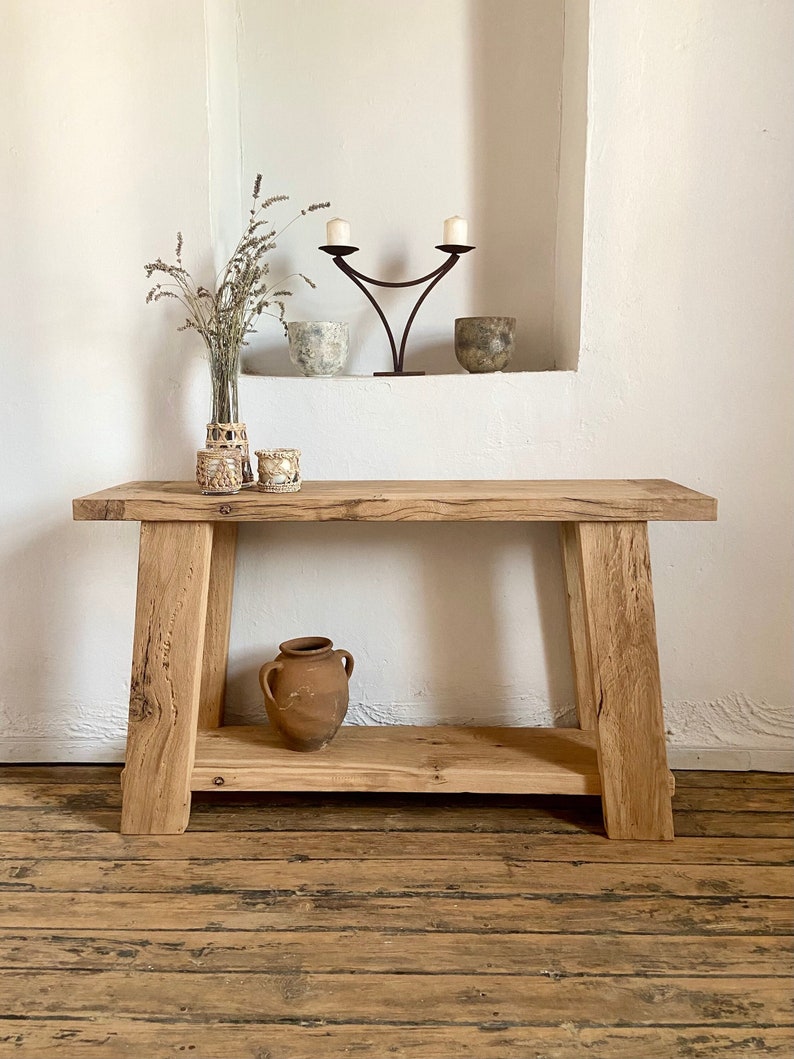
402	758
397	501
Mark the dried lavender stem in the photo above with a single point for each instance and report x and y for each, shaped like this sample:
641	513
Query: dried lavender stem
224	317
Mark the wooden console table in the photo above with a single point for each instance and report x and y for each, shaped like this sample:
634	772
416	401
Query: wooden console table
177	742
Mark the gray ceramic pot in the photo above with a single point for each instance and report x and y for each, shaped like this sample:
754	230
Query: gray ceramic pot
318	348
485	343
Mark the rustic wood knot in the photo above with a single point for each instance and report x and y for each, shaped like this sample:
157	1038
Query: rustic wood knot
219	781
225	509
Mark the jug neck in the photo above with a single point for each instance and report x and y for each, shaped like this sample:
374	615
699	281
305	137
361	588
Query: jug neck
307	647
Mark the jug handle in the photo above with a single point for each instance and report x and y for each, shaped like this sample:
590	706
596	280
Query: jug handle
346	658
264	674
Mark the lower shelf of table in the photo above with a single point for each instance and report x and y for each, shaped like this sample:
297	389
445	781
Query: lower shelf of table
402	758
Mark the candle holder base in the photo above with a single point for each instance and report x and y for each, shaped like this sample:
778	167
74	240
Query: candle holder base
389	374
454	248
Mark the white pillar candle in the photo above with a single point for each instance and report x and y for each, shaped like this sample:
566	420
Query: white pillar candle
337	232
456	231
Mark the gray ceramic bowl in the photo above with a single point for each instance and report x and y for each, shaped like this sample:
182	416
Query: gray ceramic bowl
318	347
485	343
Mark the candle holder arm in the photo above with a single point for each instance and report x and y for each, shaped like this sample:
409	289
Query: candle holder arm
339	253
439	274
357	278
435	275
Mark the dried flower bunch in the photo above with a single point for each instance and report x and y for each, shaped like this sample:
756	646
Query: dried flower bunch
243	292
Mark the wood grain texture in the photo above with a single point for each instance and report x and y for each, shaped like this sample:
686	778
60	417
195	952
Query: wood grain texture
385	952
170	618
527	818
107	1037
108	775
59	811
218	625
396	846
519	876
716	916
398	501
382	924
615	567
577	626
402	758
397	999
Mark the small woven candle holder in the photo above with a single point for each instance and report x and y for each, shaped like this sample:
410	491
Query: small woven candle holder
231	436
219	472
279	470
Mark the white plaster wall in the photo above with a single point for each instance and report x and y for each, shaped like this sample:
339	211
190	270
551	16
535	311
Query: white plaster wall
103	154
685	372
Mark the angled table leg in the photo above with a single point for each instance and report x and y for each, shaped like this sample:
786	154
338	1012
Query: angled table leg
218	624
617	597
577	629
170	618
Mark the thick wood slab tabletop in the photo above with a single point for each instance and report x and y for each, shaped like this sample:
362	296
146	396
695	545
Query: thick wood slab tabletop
585	500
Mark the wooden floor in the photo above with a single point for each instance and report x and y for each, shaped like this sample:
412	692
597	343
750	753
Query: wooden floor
416	927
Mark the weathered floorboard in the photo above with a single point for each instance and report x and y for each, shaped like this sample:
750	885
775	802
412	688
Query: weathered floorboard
526	820
505	876
396	846
314	927
93	796
275	910
404	952
400	999
108	1038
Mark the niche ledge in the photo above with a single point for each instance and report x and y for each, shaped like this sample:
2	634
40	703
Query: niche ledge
417	379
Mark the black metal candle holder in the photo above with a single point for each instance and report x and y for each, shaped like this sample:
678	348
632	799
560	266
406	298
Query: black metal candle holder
339	253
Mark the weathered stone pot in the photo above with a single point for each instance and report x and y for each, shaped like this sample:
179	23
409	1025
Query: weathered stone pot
484	343
318	348
306	691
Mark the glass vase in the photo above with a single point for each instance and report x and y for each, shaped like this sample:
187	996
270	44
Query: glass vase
224	430
232	436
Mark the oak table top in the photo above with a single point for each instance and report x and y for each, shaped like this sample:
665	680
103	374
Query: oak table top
575	500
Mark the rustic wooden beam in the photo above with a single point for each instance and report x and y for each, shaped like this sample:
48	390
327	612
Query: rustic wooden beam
621	633
170	618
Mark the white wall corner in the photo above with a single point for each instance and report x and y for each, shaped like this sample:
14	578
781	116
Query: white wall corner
571	164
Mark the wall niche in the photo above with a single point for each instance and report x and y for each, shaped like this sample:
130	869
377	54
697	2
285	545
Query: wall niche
402	115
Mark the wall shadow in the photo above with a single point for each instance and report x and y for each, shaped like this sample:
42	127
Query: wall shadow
544	550
516	66
432	357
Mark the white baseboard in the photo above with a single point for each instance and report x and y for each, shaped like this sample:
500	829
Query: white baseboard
110	751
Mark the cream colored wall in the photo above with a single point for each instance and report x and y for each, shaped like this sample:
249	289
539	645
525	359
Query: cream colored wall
685	371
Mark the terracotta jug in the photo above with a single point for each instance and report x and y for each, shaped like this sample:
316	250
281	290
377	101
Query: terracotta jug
306	692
